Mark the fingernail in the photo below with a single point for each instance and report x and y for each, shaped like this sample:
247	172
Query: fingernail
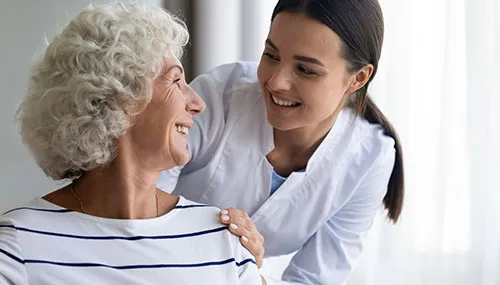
233	226
244	238
224	218
224	212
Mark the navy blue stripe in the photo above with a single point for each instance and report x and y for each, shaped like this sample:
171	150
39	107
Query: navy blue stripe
40	210
125	267
117	237
146	266
67	211
12	256
7	226
245	262
191	206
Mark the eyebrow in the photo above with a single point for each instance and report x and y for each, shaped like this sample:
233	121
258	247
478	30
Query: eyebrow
297	57
271	44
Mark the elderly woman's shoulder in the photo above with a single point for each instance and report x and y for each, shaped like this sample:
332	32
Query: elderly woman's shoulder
201	219
202	213
30	213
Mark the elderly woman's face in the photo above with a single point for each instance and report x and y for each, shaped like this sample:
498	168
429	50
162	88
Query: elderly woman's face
163	127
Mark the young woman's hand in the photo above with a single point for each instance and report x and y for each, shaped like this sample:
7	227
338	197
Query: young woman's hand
240	224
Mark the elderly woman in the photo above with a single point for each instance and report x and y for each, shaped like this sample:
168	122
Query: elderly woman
108	108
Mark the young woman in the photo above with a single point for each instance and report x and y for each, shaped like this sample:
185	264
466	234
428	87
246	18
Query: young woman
295	144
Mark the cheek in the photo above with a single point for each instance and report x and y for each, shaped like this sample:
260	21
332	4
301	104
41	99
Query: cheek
263	71
167	102
323	98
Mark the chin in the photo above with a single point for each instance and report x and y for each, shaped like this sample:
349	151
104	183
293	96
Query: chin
183	162
281	124
182	159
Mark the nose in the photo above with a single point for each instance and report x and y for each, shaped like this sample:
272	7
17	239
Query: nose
279	79
194	104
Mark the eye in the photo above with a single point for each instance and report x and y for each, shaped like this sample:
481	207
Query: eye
305	71
177	82
271	56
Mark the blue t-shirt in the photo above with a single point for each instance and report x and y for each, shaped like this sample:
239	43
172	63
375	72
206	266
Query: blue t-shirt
276	182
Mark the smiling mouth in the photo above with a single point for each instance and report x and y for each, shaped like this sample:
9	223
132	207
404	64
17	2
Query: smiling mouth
285	103
182	129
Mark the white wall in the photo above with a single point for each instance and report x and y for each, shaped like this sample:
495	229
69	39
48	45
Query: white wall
229	30
23	25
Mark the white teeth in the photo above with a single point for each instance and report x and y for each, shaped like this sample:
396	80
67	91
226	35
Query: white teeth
182	129
284	103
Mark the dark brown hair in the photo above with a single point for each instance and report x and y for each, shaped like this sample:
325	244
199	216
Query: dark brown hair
360	26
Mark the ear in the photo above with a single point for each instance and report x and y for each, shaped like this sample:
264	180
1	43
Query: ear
360	78
132	111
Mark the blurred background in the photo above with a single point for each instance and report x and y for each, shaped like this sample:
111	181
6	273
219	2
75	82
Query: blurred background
437	83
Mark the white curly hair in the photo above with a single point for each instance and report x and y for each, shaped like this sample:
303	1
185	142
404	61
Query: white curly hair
96	73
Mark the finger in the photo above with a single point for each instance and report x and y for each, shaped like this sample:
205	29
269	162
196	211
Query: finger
251	240
252	243
241	219
240	224
225	215
239	230
253	246
255	249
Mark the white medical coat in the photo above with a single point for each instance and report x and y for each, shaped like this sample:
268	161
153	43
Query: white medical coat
322	213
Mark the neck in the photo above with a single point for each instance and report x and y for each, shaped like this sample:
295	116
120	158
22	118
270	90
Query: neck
126	189
294	148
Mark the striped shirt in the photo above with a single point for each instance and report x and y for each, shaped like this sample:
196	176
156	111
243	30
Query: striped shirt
43	243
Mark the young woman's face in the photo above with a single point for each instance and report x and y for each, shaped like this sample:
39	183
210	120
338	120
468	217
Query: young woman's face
302	75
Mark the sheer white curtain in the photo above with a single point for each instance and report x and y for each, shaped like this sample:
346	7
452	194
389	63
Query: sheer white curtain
437	83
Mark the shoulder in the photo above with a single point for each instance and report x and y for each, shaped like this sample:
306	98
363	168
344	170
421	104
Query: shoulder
220	242
206	217
203	215
12	266
370	143
360	152
372	156
32	212
9	237
200	207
